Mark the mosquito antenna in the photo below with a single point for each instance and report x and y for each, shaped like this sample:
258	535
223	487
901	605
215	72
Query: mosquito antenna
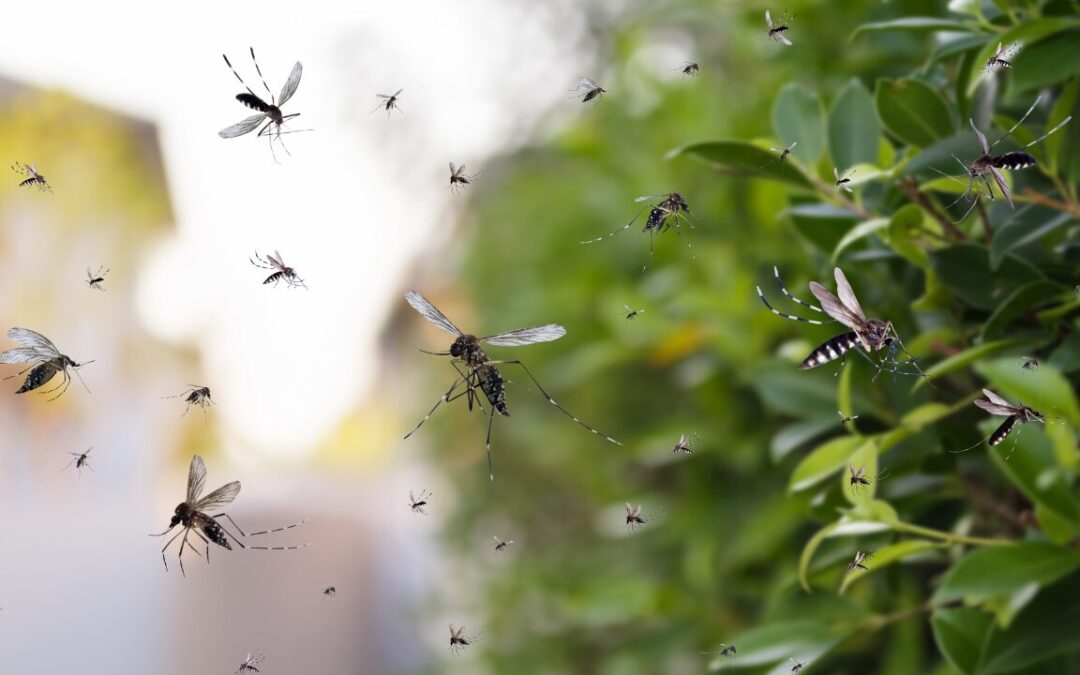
230	65
259	71
1043	137
1019	122
76	369
435	353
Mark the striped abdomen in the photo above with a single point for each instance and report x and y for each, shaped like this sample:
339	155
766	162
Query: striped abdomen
253	102
42	373
492	384
1001	432
830	350
1013	161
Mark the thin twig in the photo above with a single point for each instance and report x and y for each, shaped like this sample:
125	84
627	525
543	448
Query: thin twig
910	187
1064	207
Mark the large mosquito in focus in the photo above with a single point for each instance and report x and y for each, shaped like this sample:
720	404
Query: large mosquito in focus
195	395
271	112
389	102
32	176
872	335
1015	414
987	165
280	271
666	213
776	30
479	374
45	362
592	90
1001	59
191	514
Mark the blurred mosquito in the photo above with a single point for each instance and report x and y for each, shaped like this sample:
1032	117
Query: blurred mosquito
417	504
683	445
191	514
591	88
330	591
632	313
195	395
270	112
666	213
501	545
872	335
689	69
281	271
389	102
987	165
725	650
859	479
458	640
843	181
1001	59
796	666
1029	363
781	156
95	279
45	362
776	30
1015	414
479	374
634	517
844	419
458	178
80	459
248	666
860	558
32	176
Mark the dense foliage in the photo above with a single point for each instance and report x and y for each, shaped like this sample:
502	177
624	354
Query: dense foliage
976	557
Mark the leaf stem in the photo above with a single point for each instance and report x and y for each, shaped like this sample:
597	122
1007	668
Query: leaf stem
949	537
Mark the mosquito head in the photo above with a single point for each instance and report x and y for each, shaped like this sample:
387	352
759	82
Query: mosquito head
878	333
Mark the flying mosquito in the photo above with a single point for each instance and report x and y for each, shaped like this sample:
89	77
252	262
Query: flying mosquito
632	313
270	112
843	181
666	213
782	155
45	362
479	374
689	69
195	395
844	419
591	88
683	445
501	545
32	176
417	504
860	558
872	335
95	279
191	514
776	30
458	178
250	663
1029	363
389	102
458	641
987	165
725	650
634	518
280	271
330	591
1001	59
859	479
80	459
795	665
995	405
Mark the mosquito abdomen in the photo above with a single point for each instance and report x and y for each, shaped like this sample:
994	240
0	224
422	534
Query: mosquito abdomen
830	350
253	102
1014	161
999	435
41	374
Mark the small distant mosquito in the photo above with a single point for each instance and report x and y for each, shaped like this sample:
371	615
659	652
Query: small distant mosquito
683	445
666	213
389	102
776	30
501	545
267	111
844	419
45	362
690	69
796	666
95	279
591	88
458	641
330	591
248	666
632	313
281	271
1016	414
725	650
987	165
860	558
480	374
80	459
634	517
859	479
781	156
196	395
843	181
32	176
1001	59
1029	363
417	504
191	514
458	178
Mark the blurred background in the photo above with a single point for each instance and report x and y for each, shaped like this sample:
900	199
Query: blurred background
119	103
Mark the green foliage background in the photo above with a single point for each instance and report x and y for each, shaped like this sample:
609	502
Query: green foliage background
976	553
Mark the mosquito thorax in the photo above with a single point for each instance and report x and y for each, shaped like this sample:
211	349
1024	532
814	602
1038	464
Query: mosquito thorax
466	347
877	333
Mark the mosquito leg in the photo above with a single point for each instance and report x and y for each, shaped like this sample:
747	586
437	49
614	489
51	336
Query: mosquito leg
445	397
167	545
225	515
277	529
789	296
259	71
230	65
487	445
180	556
782	315
621	229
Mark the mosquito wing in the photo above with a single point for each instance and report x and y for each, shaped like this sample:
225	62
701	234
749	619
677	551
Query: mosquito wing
278	261
526	336
768	19
847	296
997	399
587	83
834	308
455	170
245	126
649	198
196	479
398	93
219	497
979	135
34	340
22	355
994	408
783	38
1002	185
431	313
289	88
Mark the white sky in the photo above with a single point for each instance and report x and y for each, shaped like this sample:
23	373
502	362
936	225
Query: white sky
359	197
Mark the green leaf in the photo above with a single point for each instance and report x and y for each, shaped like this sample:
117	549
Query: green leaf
854	130
999	571
920	24
1047	62
961	635
1066	358
905	228
888	555
745	159
796	434
1020	231
913	111
797	116
965	269
824	225
823	461
1024	299
967	357
844	527
1029	33
776	642
1046	627
860	231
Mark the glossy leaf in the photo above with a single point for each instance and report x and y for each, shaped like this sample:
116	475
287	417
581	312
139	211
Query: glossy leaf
745	159
913	111
854	129
797	116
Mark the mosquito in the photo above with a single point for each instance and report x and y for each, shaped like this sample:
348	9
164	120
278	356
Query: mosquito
270	112
782	155
1001	58
843	181
859	479
632	313
844	419
1029	363
683	445
591	88
80	459
95	279
860	558
796	666
872	335
280	271
480	374
389	102
987	165
634	518
776	30
417	504
689	69
330	591
458	641
248	666
501	545
995	405
195	395
458	178
191	514
665	213
32	176
45	362
725	650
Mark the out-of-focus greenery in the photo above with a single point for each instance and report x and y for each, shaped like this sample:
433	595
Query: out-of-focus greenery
749	537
